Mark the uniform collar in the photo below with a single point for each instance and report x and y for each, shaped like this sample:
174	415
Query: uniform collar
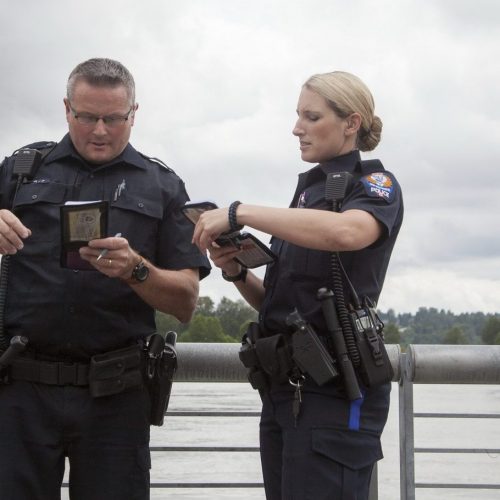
65	149
346	162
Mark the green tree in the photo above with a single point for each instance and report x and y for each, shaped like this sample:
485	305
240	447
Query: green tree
455	335
205	306
391	334
491	330
166	322
233	314
205	329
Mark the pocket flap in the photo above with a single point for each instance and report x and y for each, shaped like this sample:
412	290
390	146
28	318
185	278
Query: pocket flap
114	363
354	449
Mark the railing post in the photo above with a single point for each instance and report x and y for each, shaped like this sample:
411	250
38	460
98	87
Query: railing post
406	431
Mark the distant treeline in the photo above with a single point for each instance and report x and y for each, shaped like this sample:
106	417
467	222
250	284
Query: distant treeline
227	321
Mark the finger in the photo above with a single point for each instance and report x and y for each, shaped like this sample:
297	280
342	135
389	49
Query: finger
11	232
15	225
11	242
111	243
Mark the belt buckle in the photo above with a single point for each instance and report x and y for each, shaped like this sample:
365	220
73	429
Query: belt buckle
66	373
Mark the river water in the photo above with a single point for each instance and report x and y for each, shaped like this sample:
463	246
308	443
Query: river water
243	431
478	433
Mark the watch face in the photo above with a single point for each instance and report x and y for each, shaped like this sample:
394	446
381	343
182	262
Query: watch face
140	272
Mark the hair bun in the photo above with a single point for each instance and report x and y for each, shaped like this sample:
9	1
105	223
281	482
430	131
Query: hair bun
369	139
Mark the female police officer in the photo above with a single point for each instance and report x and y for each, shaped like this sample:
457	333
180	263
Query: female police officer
328	450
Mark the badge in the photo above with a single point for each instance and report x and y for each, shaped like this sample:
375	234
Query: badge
302	200
379	185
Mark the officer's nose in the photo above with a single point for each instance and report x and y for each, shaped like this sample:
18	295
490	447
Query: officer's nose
100	127
297	130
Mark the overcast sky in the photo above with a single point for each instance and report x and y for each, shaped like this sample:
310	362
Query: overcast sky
217	85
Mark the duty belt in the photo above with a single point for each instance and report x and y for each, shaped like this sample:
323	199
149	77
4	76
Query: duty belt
50	372
107	373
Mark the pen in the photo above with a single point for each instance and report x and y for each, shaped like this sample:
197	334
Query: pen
106	250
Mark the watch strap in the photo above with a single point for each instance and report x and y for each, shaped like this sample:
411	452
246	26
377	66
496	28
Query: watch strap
241	276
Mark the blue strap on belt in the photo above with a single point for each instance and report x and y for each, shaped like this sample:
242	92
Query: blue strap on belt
355	412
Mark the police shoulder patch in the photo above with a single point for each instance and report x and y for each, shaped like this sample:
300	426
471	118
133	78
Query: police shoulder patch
379	185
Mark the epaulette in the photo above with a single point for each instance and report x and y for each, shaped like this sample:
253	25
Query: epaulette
41	145
157	161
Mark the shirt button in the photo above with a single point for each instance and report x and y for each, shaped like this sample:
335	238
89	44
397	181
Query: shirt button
34	196
72	309
140	205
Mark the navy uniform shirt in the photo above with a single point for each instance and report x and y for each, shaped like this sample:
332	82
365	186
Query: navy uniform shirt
74	314
294	279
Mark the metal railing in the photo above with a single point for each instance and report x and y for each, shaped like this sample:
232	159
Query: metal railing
421	364
439	364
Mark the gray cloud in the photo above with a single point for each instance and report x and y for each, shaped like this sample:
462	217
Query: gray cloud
218	82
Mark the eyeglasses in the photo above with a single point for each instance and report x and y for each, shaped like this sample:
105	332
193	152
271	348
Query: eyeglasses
111	121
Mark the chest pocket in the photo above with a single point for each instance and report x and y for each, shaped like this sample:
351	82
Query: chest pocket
140	204
37	205
138	218
40	192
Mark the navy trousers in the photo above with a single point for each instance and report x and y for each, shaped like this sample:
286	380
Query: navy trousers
105	439
329	451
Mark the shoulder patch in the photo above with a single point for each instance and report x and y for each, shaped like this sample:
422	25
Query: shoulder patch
157	161
379	185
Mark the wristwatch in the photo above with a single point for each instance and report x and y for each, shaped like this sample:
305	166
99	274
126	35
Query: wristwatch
140	272
241	276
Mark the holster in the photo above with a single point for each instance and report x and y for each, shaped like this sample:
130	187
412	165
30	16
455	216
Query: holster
161	371
375	366
265	357
115	371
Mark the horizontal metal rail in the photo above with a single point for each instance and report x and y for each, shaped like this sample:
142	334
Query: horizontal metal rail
219	362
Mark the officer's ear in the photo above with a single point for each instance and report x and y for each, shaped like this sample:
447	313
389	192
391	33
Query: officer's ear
132	114
353	124
68	108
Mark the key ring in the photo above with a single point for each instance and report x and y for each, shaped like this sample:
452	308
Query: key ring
299	382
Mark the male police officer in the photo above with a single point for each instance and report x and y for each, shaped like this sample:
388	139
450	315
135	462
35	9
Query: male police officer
73	317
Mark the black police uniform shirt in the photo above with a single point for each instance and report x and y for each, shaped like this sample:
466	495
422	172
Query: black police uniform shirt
73	314
295	278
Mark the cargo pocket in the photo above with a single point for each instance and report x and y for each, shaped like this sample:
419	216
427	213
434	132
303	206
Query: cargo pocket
354	452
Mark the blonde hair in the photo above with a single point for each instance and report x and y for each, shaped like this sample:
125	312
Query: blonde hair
347	94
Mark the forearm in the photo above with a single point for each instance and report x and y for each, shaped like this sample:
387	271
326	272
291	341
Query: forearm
315	229
172	292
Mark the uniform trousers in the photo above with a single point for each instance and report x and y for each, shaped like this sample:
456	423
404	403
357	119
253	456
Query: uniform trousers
106	441
329	451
